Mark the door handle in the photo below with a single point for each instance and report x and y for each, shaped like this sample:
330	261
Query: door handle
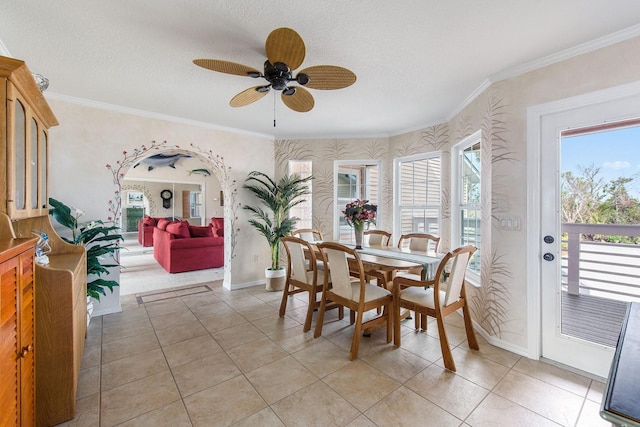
548	257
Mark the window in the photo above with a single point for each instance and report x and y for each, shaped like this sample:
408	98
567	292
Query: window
417	192
466	186
354	180
195	204
304	210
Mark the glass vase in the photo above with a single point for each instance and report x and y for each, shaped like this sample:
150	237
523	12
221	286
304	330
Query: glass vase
358	230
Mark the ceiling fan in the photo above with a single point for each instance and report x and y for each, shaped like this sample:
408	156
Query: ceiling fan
285	52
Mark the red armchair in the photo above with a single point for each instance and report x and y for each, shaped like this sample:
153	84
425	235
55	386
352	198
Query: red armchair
145	230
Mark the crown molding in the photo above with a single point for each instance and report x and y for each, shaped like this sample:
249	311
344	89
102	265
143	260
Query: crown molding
554	58
418	127
572	52
469	99
151	115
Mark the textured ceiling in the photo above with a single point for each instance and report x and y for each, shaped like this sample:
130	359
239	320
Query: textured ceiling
417	61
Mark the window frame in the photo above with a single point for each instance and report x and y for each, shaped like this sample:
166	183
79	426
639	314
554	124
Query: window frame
457	206
306	219
338	206
397	207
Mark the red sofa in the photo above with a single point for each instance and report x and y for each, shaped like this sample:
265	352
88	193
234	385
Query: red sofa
182	247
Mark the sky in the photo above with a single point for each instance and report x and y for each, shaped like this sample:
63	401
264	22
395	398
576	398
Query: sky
616	153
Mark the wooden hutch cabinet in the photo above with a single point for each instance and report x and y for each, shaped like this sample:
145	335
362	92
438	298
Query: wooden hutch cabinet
17	328
47	388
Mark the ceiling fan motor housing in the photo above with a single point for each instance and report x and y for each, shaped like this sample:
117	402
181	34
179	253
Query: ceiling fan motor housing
279	75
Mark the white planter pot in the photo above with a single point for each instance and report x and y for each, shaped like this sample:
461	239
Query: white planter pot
109	303
89	309
275	279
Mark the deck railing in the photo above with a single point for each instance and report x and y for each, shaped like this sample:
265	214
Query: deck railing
610	270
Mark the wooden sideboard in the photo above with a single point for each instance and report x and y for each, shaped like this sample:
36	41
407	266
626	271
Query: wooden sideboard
61	286
17	329
61	319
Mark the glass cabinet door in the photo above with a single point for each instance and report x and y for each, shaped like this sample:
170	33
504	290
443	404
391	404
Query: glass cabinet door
20	147
33	166
43	171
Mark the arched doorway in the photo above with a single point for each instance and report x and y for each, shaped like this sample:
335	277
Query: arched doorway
214	163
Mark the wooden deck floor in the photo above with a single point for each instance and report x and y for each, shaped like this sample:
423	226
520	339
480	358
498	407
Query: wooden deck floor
592	318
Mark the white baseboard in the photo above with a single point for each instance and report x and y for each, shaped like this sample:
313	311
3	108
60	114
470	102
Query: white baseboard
493	340
237	286
108	310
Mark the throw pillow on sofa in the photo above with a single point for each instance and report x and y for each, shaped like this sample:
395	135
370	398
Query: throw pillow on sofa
147	220
197	231
179	230
162	223
218	226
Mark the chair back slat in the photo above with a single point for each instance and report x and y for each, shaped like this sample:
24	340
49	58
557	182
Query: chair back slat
309	234
378	237
419	242
456	276
338	265
298	262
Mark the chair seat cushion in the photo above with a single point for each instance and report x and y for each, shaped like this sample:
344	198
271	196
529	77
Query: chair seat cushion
421	296
372	292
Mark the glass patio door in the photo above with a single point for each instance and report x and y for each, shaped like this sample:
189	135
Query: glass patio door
559	296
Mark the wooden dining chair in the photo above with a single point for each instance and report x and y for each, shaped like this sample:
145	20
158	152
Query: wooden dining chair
354	293
378	237
438	298
308	234
419	242
303	276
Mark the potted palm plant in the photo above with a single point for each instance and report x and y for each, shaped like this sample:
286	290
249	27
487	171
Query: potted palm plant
101	241
271	219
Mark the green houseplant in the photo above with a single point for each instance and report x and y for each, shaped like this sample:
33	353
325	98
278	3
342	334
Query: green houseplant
99	240
271	219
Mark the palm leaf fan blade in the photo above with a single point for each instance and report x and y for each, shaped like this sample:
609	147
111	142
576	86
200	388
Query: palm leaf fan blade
247	96
301	101
227	67
329	77
286	46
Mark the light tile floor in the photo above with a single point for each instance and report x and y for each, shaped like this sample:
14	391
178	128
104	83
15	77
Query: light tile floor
219	358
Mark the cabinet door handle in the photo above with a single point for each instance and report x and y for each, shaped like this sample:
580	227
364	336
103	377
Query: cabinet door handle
26	350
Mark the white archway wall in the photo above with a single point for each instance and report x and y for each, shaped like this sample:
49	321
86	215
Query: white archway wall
89	138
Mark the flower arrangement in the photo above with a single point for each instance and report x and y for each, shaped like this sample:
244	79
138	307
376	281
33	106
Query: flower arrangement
360	212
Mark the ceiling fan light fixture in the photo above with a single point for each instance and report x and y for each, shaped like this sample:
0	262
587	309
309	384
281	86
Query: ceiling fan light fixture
282	67
302	79
279	83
